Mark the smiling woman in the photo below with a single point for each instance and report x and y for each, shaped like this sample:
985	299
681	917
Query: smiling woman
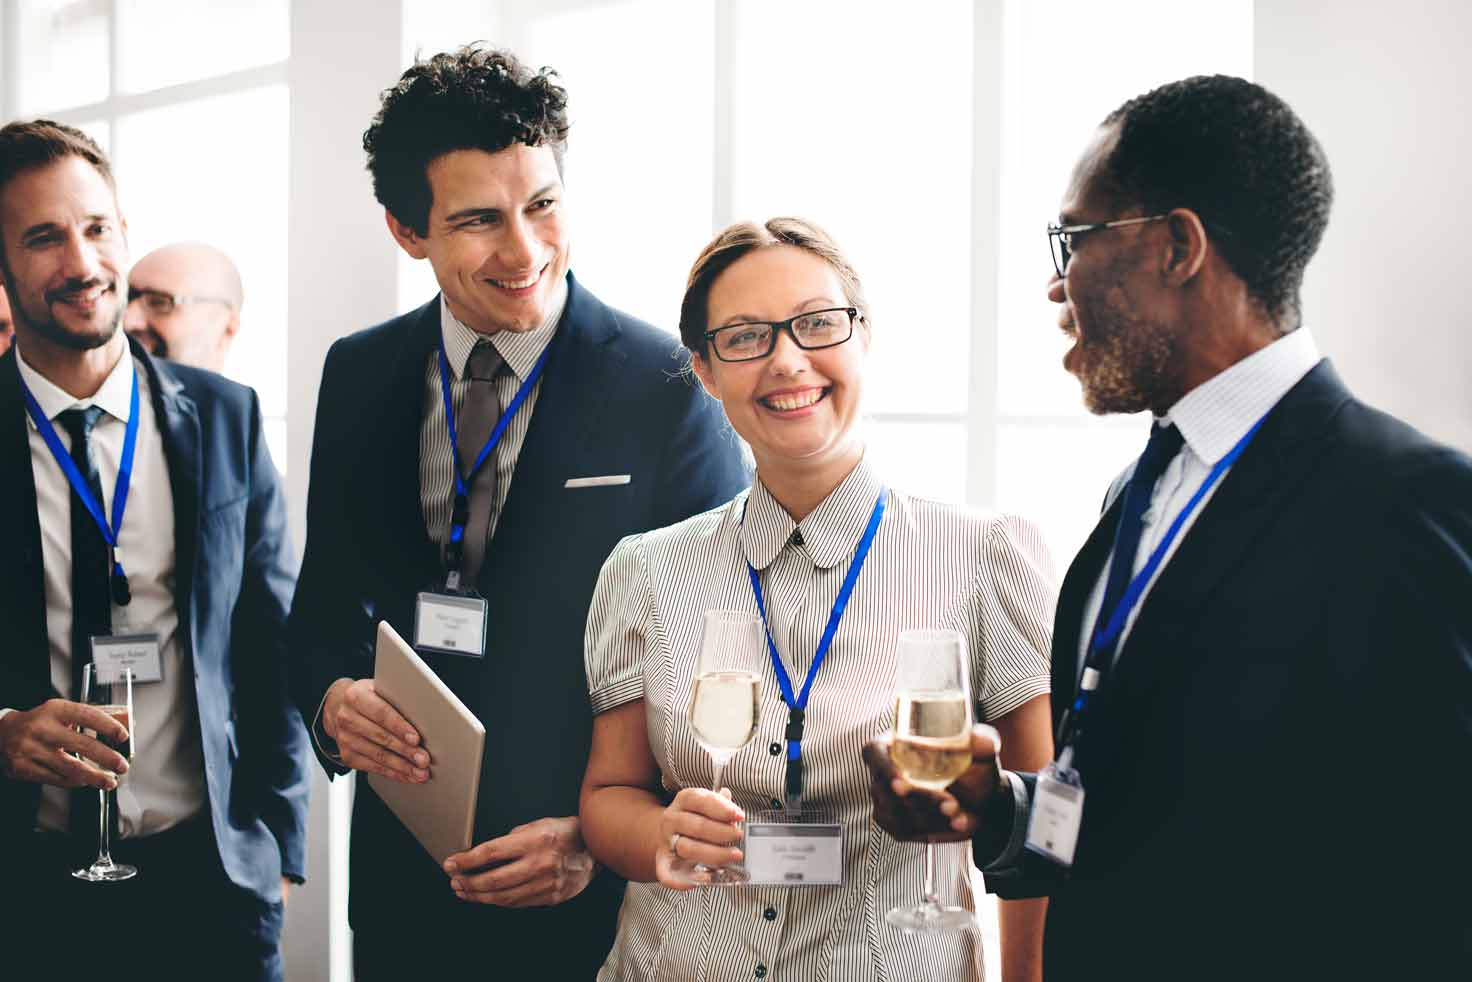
840	563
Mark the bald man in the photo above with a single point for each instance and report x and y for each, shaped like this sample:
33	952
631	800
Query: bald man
184	304
7	331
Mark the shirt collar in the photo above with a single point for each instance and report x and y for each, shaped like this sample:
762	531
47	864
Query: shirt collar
520	350
1216	414
830	532
114	397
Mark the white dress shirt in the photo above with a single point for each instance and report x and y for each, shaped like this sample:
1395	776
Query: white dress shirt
165	782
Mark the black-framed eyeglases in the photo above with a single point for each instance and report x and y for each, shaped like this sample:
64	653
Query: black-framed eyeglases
1060	237
161	303
811	330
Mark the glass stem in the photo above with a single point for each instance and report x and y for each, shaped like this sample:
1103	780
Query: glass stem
931	900
104	845
717	766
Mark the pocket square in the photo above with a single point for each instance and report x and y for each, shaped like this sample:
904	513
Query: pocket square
596	482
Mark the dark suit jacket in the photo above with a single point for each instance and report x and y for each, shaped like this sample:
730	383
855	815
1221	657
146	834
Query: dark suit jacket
234	572
612	401
1277	770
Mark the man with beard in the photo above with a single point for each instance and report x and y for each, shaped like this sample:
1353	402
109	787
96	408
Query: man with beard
143	524
184	303
1262	659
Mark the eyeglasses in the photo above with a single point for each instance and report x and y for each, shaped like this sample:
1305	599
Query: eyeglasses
161	303
810	331
1060	237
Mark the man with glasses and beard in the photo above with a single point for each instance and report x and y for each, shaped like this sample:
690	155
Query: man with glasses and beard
139	501
184	303
1262	658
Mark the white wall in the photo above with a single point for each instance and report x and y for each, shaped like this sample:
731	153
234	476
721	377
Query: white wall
1384	87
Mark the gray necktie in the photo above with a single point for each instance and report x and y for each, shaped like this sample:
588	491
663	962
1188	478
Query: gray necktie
479	414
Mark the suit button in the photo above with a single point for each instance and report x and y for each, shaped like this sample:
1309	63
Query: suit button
775	749
761	972
776	803
770	914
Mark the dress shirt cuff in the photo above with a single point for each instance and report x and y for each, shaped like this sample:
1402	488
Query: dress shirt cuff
5	712
1009	859
326	746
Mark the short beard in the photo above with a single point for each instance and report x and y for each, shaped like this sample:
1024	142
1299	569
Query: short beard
50	329
1127	370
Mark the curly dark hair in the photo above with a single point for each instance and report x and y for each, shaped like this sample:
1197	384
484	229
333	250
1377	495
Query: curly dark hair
736	241
471	99
1239	157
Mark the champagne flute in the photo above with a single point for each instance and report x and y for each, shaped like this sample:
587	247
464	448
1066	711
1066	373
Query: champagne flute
111	692
724	708
932	747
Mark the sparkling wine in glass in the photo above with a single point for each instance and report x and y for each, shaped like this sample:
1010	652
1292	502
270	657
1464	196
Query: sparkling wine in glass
931	747
723	713
112	692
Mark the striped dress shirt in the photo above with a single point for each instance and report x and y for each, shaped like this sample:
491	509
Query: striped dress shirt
520	351
931	566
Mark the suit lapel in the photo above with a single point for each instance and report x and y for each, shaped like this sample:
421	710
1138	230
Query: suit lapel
20	530
178	423
1068	626
1229	527
582	369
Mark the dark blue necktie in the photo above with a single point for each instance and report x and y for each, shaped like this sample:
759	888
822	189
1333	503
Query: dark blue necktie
91	598
1164	444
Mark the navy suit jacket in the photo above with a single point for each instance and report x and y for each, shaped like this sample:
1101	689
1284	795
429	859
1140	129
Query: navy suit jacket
233	578
1277	770
613	400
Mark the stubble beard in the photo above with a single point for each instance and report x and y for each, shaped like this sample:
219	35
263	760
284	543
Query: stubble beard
52	330
1125	366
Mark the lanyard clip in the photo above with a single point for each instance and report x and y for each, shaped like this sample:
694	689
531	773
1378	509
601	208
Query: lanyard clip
794	726
793	790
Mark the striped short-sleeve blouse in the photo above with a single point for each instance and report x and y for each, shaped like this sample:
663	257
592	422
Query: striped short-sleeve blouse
931	566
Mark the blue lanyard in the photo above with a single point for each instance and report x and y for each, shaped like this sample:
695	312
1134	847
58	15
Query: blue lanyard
119	580
460	516
1106	632
797	705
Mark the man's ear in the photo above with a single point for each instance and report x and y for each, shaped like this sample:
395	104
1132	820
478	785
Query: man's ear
1188	244
408	239
701	367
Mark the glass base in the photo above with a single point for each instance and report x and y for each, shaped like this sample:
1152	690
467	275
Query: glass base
711	876
106	872
931	919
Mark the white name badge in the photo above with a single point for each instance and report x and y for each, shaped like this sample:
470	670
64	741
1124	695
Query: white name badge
802	852
112	653
450	625
1057	814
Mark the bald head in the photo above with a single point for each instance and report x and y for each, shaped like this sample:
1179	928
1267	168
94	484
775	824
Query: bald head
187	304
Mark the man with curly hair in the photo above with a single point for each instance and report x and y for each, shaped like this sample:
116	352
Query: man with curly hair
1262	657
495	443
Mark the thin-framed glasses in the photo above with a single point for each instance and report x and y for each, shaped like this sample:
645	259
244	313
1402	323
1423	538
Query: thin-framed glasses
810	331
161	303
1060	237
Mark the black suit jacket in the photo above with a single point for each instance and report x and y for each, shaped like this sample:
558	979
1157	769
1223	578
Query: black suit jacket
1277	770
234	573
612	401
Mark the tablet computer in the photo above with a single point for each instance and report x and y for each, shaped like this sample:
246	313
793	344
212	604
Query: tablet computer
441	811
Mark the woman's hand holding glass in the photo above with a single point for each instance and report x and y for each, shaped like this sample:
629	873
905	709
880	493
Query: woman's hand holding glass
699	832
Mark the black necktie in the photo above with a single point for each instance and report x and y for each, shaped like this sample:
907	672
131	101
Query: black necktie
91	593
1164	444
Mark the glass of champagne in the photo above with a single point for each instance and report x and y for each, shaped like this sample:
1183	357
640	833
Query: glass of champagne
111	692
724	708
932	747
